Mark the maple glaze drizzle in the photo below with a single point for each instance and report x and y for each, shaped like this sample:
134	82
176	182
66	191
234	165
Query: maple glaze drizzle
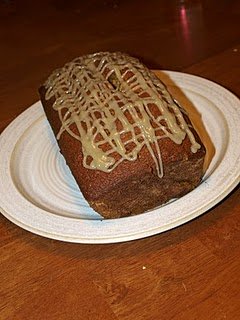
111	96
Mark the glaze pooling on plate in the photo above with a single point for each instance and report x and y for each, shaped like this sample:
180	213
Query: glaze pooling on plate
220	111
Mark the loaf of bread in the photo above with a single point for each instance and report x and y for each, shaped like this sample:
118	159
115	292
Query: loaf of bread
127	142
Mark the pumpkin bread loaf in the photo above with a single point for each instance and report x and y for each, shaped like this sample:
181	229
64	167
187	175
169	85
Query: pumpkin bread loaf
127	142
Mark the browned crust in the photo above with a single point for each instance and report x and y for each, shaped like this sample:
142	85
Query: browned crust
146	191
122	191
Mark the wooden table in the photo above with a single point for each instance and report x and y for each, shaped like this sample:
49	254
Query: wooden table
191	272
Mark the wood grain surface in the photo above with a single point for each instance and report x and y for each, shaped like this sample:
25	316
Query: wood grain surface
191	272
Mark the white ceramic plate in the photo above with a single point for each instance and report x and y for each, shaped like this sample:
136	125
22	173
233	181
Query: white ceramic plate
38	193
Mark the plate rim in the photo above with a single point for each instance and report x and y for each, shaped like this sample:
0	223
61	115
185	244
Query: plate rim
126	236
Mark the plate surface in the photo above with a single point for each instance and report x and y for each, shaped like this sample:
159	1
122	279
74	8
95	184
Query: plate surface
39	194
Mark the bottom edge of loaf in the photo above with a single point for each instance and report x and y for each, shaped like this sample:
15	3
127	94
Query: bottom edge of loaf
147	191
